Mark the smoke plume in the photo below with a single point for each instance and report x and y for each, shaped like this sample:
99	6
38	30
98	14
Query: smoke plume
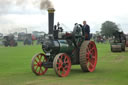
7	6
45	4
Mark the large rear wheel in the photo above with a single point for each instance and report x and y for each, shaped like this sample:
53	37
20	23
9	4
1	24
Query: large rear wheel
88	56
37	61
62	64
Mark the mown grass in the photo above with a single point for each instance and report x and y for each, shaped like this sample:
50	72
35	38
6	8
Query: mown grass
15	68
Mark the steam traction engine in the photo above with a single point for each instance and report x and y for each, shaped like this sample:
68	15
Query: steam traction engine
61	50
9	41
118	43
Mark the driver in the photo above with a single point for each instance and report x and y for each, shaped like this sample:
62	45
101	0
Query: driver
86	30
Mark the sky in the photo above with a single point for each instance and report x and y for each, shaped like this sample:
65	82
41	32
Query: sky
16	15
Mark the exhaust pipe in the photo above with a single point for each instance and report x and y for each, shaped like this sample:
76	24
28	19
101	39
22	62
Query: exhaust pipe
51	20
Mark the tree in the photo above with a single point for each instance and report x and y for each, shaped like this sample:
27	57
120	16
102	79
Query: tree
108	28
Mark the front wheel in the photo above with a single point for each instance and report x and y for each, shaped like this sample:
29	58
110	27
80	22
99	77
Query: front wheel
37	66
62	64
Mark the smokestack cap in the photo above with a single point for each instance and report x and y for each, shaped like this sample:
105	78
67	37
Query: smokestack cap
51	10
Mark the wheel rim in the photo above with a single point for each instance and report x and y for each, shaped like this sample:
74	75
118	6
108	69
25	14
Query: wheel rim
62	65
91	56
37	61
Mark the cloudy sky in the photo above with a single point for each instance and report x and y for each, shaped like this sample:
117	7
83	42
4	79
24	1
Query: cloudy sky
16	15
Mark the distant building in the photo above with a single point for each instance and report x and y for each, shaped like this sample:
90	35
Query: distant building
38	34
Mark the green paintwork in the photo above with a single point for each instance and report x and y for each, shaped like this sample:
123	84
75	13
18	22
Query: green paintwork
65	47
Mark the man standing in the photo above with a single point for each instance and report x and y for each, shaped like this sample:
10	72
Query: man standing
86	30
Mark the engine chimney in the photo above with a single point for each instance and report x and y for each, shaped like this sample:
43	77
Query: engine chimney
51	20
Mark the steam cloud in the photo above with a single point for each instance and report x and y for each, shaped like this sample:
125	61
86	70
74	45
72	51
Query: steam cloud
45	4
7	5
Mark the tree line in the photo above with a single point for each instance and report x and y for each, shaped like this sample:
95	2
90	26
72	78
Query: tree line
108	28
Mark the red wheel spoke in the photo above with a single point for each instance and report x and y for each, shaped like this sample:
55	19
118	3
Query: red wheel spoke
66	61
35	64
90	60
64	70
41	70
40	58
92	50
36	61
59	66
36	68
66	66
60	61
93	57
89	52
91	64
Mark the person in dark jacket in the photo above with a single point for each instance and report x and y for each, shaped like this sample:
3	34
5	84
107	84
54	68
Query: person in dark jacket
86	30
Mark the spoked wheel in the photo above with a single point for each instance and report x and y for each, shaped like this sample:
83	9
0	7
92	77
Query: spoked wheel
88	56
37	66
62	64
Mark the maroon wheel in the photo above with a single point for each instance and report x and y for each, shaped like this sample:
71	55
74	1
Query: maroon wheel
37	66
88	56
62	64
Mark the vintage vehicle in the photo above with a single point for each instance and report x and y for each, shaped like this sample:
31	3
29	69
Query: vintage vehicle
61	50
9	41
28	39
118	42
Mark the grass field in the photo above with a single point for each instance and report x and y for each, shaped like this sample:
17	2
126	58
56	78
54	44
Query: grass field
15	68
